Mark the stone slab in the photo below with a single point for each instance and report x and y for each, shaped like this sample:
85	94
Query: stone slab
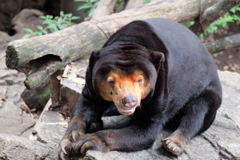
14	121
18	148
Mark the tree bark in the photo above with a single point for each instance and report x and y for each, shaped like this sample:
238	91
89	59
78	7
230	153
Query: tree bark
30	55
133	3
223	44
105	7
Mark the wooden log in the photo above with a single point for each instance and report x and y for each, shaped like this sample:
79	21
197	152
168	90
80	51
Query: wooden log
105	7
36	98
74	42
40	57
54	86
223	43
134	3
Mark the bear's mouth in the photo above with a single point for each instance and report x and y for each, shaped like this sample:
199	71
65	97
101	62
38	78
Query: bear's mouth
126	111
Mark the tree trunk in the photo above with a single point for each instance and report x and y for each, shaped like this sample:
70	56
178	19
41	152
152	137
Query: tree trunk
40	57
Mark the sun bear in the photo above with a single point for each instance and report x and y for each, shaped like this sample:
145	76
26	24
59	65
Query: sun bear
155	70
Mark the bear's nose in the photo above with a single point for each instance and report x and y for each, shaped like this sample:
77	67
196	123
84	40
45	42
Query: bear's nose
129	101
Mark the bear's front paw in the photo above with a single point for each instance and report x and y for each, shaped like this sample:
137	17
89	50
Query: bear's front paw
89	142
66	150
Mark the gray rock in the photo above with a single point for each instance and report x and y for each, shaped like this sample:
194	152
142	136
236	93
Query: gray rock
51	128
27	18
4	39
18	148
5	72
14	121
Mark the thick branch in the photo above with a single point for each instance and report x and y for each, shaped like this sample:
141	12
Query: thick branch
217	10
223	44
105	7
77	41
133	3
210	14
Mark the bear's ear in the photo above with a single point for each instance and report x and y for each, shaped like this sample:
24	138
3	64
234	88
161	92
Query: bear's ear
158	59
93	58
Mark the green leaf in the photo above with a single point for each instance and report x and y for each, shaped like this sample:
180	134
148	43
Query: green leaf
44	31
92	1
75	17
96	4
26	36
201	36
224	25
61	13
42	17
39	27
62	26
49	16
235	8
28	30
56	18
84	6
146	1
53	27
39	33
47	21
92	10
80	0
60	20
68	15
189	24
87	10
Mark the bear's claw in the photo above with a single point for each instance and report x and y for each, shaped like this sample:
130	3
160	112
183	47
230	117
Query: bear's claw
172	147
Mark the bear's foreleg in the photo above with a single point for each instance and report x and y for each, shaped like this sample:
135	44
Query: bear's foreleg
131	138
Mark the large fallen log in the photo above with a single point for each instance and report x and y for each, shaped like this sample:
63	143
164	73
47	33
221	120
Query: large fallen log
40	57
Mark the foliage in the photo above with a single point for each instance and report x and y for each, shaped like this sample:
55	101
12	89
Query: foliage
230	16
52	24
147	1
189	24
89	7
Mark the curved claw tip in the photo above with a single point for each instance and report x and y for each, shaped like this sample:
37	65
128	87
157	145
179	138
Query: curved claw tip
63	144
61	156
75	135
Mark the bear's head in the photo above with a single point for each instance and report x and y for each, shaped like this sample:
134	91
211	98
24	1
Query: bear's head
124	75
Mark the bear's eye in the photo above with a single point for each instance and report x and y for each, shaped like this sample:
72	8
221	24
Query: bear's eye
111	82
140	80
